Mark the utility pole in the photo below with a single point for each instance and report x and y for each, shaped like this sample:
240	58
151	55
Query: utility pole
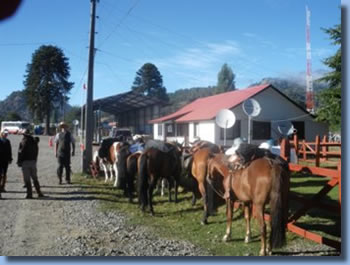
89	124
309	86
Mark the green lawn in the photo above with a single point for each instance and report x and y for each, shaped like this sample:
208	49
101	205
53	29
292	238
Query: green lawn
182	220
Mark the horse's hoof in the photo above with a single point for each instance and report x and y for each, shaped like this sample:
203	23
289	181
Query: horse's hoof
205	222
247	239
226	238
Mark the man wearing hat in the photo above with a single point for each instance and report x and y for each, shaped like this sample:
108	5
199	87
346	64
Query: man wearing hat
5	158
27	157
64	148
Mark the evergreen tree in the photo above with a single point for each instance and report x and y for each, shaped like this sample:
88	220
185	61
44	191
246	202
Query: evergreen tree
329	109
46	82
149	81
226	80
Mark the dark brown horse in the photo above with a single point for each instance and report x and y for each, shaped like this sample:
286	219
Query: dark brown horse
264	181
155	164
199	172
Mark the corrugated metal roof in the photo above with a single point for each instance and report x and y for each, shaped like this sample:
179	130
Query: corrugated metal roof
207	108
125	102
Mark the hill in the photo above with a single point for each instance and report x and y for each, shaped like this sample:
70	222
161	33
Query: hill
15	103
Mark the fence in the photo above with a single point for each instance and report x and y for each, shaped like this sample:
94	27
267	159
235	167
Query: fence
319	150
334	176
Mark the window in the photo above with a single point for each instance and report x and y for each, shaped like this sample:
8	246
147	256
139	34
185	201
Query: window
231	133
170	130
160	129
182	129
261	130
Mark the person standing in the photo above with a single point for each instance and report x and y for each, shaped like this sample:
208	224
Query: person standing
27	158
5	158
64	148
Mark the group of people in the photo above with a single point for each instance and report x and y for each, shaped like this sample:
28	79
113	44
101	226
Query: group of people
27	157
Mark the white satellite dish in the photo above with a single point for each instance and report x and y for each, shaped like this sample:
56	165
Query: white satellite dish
251	107
225	119
285	128
75	122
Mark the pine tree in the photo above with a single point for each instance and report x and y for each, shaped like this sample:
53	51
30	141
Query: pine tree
46	82
329	109
226	80
149	81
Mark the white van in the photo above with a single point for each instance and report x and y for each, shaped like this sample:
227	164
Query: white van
15	127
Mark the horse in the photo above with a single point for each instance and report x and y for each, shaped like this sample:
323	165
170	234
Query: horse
158	160
264	181
131	172
198	170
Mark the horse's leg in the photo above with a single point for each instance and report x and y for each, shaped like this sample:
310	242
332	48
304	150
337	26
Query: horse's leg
176	185
162	187
259	212
115	167
105	171
150	194
229	210
247	216
193	199
205	203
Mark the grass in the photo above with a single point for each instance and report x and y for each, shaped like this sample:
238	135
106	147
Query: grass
182	220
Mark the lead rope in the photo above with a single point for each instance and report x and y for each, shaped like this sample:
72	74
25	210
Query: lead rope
220	194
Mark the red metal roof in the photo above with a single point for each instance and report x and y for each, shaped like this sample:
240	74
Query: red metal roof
207	108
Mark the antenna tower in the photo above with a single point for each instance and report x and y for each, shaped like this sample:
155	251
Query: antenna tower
309	87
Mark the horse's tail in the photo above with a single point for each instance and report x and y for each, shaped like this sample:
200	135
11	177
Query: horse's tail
279	205
143	180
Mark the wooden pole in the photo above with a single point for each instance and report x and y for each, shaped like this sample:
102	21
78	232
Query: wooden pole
317	151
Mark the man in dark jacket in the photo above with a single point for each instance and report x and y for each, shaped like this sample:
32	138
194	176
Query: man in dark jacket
64	141
27	157
5	159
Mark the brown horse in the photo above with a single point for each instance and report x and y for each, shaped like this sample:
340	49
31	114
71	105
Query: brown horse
155	164
264	181
199	172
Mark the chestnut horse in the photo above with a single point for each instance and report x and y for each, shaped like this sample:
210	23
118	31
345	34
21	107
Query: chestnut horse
264	180
199	172
155	164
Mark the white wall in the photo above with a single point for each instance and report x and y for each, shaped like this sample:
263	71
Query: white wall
274	108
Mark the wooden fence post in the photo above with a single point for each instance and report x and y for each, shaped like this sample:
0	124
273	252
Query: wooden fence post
317	151
285	149
324	148
304	150
339	185
296	144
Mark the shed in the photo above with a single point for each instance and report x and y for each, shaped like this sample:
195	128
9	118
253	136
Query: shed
132	110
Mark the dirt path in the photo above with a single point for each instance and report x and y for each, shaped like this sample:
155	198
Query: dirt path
66	221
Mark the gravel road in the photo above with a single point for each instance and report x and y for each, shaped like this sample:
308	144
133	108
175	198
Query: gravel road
67	223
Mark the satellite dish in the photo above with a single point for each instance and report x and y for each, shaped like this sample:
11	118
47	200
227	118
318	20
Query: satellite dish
225	118
286	128
251	107
75	122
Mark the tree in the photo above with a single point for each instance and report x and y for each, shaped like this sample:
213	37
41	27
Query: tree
46	82
329	108
226	80
149	81
13	116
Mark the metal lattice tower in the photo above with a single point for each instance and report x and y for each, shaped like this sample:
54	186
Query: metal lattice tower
309	87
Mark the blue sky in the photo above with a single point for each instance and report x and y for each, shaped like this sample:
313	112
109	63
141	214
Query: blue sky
188	41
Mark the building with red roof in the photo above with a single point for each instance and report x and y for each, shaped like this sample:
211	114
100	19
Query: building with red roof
197	119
